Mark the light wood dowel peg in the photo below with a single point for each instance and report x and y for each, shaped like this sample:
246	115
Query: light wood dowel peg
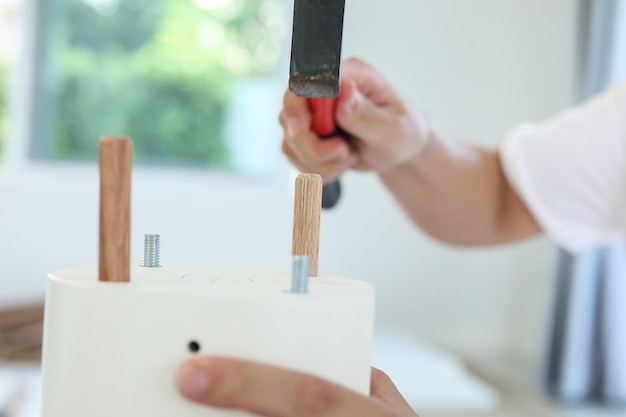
307	209
116	154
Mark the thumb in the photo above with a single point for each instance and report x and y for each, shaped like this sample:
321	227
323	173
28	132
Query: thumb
385	390
361	117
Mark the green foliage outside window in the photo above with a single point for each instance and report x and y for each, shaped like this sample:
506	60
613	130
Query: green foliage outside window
160	71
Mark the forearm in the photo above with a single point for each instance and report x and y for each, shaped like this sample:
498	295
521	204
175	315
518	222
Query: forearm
458	194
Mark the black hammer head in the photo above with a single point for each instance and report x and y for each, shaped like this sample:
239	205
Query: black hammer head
316	48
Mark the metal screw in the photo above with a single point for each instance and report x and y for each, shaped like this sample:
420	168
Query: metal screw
151	251
300	274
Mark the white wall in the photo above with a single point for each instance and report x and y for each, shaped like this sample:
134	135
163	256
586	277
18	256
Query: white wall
478	66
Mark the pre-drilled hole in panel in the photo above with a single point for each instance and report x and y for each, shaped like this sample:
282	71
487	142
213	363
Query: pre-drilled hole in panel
194	347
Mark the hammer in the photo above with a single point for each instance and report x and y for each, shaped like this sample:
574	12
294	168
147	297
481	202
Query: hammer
314	69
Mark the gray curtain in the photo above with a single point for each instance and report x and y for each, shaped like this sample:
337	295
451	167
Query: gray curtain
586	357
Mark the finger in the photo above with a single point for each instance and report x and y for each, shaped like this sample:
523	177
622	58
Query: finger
270	391
329	171
383	388
361	117
296	115
311	149
370	82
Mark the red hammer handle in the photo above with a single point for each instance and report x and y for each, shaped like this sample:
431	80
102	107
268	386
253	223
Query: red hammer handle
323	123
323	112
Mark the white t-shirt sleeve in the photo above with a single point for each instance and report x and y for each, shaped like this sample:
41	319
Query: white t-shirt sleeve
571	170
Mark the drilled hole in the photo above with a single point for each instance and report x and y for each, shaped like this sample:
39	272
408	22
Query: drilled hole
194	347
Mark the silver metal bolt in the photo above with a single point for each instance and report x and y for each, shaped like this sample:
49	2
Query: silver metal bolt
300	266
151	251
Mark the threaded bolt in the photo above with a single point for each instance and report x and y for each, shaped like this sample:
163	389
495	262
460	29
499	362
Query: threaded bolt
151	251
300	274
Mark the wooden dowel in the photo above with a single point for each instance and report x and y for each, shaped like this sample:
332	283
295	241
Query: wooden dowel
307	209
116	155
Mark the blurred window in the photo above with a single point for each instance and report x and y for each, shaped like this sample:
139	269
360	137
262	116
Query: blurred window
9	45
187	80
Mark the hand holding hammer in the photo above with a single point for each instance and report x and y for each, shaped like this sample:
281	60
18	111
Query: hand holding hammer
314	71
